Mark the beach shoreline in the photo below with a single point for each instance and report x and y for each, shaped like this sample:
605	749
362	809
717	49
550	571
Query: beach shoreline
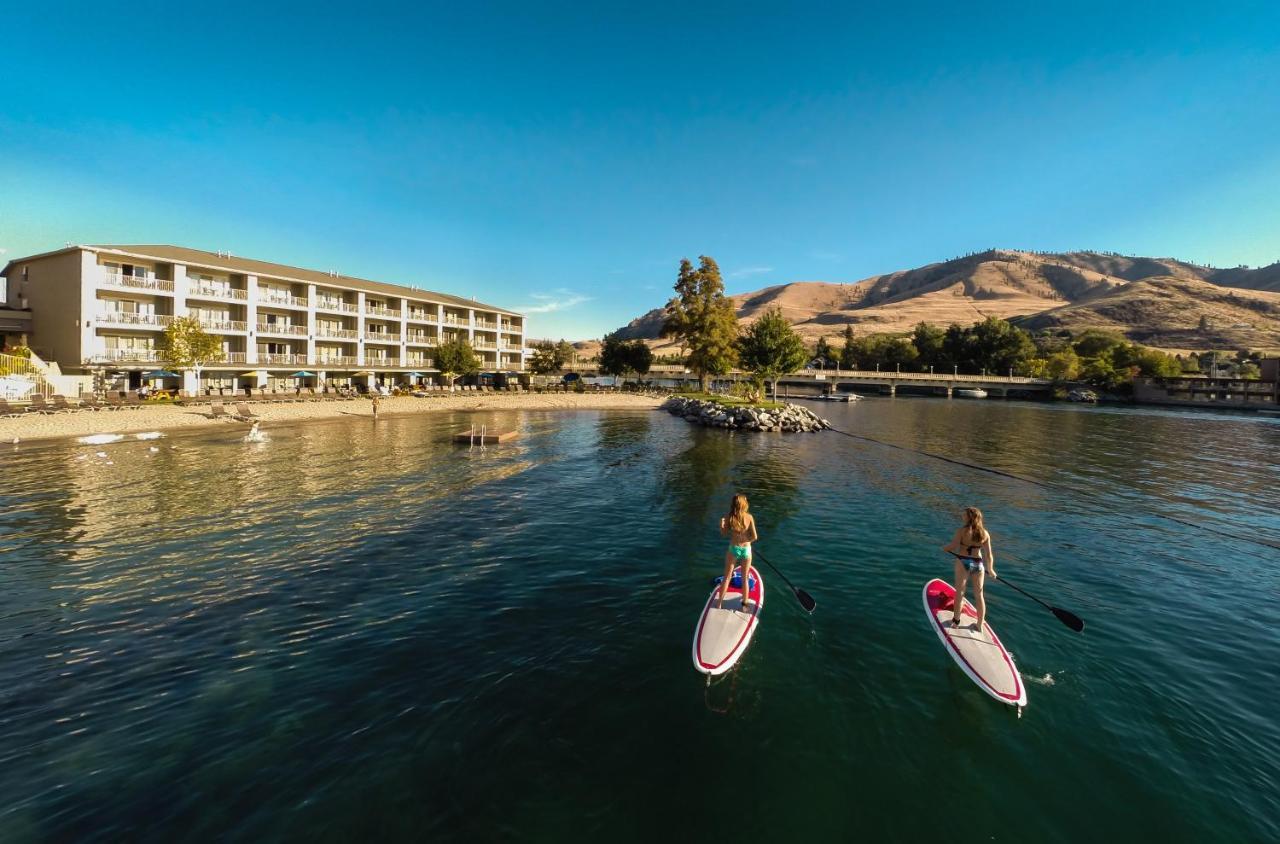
168	417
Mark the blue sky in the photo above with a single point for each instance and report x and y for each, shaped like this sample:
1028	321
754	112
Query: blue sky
562	159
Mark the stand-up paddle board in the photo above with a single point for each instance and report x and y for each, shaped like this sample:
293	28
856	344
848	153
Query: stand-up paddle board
723	633
978	652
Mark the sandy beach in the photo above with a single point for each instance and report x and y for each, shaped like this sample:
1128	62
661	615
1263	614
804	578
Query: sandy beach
169	417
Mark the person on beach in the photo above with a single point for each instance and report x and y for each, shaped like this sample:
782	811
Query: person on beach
740	527
971	546
375	406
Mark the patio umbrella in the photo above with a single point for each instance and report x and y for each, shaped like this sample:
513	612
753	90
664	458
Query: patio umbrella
363	372
252	373
160	373
303	374
414	374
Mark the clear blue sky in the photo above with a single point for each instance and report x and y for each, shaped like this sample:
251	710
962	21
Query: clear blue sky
562	159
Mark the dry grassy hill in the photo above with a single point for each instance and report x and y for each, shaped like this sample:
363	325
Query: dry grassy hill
1157	301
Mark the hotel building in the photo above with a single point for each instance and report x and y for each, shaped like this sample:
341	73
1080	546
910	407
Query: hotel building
104	309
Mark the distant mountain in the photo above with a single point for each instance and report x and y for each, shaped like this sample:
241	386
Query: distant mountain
1157	301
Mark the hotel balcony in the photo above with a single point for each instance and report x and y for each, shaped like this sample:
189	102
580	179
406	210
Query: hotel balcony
420	340
135	320
490	326
421	316
281	329
276	360
232	357
224	325
336	306
226	293
336	333
483	346
383	362
381	337
337	360
287	301
419	363
135	283
121	355
382	312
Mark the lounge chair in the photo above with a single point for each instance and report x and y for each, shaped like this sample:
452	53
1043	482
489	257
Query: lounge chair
218	411
243	411
61	404
39	405
10	412
91	402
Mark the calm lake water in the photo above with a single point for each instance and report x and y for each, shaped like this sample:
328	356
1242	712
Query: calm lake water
358	631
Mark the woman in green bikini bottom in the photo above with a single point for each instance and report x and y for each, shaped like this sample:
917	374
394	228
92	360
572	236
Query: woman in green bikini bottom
740	527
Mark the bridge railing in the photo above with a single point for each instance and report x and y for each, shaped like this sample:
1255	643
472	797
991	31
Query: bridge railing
852	374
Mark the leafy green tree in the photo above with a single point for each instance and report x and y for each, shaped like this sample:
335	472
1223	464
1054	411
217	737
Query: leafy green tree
186	345
999	346
823	351
848	358
929	341
455	358
957	347
1063	365
771	348
1095	342
1249	371
641	357
703	319
549	356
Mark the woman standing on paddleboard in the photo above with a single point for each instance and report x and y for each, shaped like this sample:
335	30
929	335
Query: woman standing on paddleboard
971	546
740	527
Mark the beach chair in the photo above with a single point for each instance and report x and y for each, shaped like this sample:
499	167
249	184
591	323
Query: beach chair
61	404
91	402
218	411
10	412
132	403
39	405
243	411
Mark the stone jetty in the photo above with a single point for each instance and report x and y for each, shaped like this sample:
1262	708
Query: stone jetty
789	418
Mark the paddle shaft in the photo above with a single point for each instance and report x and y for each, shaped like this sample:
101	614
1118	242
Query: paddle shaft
1068	618
806	600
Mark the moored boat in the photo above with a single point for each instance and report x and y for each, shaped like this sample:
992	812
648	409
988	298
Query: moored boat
971	393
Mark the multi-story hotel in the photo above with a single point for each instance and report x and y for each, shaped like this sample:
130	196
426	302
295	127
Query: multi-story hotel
104	309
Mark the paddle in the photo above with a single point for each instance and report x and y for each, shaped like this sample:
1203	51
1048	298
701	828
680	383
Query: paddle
1070	619
806	600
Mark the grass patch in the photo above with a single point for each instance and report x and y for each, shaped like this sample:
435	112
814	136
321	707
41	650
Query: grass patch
731	401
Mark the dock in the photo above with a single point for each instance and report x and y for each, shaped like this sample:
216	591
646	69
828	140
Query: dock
485	437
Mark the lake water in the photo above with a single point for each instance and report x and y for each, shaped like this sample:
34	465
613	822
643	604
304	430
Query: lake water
359	631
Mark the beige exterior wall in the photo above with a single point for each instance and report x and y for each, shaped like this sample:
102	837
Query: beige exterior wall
52	286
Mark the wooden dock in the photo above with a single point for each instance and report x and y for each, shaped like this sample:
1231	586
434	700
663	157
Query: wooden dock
485	437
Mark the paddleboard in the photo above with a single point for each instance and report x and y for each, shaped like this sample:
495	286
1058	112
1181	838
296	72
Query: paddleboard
723	633
978	652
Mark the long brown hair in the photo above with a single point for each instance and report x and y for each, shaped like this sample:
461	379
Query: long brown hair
974	532
737	518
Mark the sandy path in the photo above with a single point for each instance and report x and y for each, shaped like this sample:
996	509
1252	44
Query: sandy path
168	417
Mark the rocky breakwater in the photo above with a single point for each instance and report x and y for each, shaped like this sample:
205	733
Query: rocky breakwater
790	418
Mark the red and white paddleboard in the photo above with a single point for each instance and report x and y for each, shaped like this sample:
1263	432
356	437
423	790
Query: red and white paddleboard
978	652
723	633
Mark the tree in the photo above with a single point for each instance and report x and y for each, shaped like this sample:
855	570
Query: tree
186	345
847	358
771	348
618	357
549	357
702	318
456	357
823	352
929	342
1063	365
641	356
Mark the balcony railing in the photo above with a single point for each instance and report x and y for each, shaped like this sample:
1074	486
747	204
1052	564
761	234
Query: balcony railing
141	355
272	360
337	333
336	305
381	337
141	320
338	360
233	357
224	325
280	328
136	282
450	319
489	325
490	347
420	340
419	363
207	292
368	361
279	299
510	327
383	312
422	316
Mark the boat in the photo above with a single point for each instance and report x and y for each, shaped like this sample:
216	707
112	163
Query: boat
971	393
723	633
979	653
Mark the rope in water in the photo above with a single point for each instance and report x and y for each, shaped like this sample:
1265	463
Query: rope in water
1267	543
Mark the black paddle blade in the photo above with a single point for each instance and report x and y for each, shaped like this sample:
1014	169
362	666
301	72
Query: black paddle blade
1070	619
805	599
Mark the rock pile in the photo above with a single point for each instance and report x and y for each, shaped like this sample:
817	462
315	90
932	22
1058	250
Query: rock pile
789	417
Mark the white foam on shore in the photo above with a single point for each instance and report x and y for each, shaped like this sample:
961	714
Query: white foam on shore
149	435
100	439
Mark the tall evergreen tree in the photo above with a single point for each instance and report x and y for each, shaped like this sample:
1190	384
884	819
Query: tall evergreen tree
703	319
849	354
823	352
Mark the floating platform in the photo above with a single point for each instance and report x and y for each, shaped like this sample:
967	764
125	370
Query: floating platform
485	437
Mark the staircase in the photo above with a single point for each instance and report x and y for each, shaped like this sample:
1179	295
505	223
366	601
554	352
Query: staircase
20	379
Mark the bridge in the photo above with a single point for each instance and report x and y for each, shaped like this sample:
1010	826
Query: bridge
808	382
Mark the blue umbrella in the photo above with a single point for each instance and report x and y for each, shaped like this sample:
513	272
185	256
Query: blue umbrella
160	373
303	374
414	374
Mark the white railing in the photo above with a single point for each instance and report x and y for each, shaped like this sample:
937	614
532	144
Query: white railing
278	328
233	357
338	333
381	361
384	312
224	325
263	357
136	282
278	299
219	292
489	325
338	360
449	319
421	316
336	305
420	340
126	318
141	355
425	363
488	347
383	337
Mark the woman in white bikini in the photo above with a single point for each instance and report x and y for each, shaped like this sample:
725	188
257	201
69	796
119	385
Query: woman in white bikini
971	546
740	527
